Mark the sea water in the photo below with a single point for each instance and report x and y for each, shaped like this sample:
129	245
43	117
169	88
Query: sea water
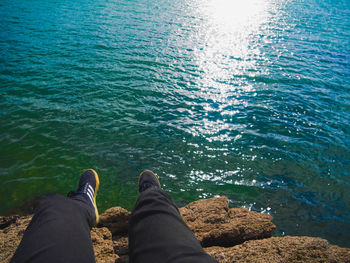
243	98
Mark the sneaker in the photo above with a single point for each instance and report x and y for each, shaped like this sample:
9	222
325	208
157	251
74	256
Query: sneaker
148	179
88	186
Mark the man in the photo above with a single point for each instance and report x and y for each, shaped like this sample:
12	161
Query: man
60	228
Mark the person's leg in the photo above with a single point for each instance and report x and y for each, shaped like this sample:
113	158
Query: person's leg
60	228
157	232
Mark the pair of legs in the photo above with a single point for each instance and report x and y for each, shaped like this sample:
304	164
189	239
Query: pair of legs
60	228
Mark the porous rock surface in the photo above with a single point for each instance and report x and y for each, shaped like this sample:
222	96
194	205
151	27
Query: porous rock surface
116	219
11	231
228	234
215	224
281	249
103	245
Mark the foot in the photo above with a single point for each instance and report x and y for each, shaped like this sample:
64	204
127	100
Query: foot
88	186
148	179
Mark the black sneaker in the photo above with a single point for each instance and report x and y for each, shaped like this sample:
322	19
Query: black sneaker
88	186
148	179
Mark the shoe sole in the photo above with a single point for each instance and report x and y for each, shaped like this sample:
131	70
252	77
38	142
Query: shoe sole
95	194
138	182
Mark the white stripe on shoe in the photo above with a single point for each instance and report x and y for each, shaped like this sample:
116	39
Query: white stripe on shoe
90	195
92	191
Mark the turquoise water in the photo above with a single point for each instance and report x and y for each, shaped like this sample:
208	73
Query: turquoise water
248	99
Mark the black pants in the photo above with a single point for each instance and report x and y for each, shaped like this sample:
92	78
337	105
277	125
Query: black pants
60	232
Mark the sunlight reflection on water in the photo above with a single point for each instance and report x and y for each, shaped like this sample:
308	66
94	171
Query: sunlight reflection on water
226	49
229	28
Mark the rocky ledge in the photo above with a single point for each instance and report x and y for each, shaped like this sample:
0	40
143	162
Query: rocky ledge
227	234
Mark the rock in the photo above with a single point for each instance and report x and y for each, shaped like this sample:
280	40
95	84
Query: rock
121	245
103	245
5	221
215	224
342	254
11	235
281	249
116	219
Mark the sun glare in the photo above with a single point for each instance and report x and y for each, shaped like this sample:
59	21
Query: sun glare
236	14
228	32
225	49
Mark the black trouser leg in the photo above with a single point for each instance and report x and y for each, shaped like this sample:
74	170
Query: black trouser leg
58	232
158	234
